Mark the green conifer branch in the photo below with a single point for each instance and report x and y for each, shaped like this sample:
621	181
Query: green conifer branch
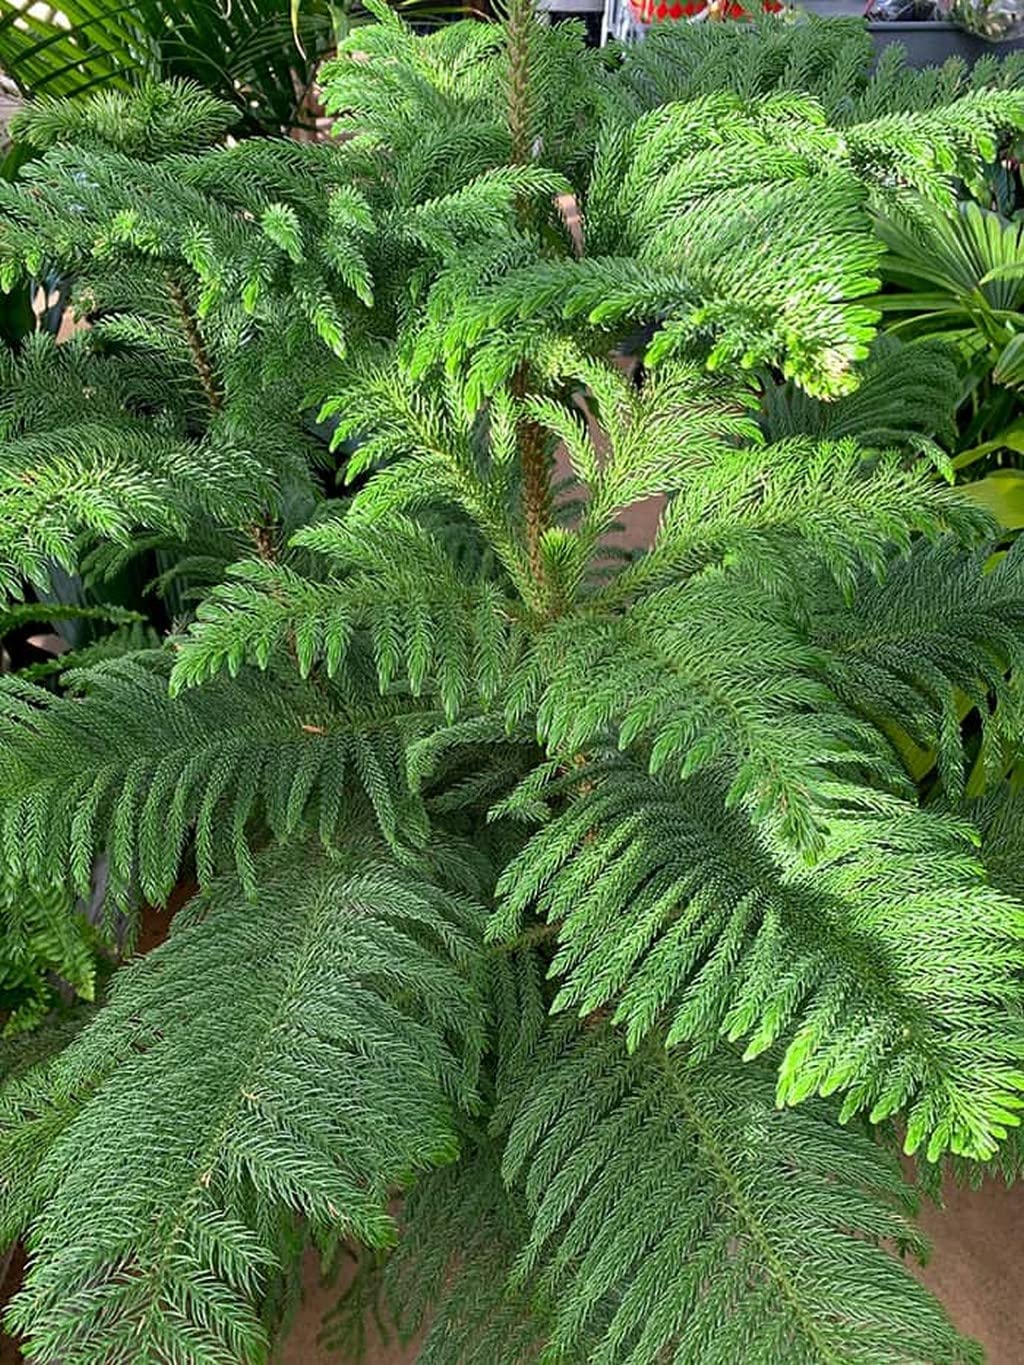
679	779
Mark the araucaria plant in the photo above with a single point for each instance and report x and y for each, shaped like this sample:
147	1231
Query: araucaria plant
568	918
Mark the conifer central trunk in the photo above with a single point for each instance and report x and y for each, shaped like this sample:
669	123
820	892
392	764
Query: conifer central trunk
532	444
196	345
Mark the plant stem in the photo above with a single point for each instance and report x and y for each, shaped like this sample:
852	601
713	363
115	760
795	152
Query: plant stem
531	439
536	476
520	25
536	495
262	536
200	356
263	540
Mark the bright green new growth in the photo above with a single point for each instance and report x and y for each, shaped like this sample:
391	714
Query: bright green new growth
595	877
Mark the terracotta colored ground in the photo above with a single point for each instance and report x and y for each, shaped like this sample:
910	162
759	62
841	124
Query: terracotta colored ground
977	1269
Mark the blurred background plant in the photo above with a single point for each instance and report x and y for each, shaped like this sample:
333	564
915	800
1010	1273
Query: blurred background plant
958	274
994	20
261	56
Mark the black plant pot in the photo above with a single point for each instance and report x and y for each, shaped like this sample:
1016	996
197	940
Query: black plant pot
930	42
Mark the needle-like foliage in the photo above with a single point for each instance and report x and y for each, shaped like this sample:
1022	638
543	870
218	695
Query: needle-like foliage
317	1083
207	275
583	884
675	1209
44	940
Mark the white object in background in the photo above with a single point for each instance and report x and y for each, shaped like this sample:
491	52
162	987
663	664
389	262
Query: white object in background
570	6
620	23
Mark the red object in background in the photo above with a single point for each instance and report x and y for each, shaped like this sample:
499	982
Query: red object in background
647	11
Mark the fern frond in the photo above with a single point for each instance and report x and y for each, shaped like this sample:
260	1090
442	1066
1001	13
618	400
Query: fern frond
745	694
459	1234
674	911
44	510
941	634
22	1052
43	934
137	638
927	150
15	614
830	59
677	1214
433	448
428	114
152	121
771	508
273	1090
907	396
80	462
132	770
445	633
716	665
462	1227
658	261
485	207
999	816
671	222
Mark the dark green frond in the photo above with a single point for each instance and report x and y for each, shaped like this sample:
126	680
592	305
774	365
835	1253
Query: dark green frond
45	940
677	1214
459	1235
940	634
772	509
134	771
317	1084
1000	819
907	396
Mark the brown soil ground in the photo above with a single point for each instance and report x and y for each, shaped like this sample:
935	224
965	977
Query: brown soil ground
977	1269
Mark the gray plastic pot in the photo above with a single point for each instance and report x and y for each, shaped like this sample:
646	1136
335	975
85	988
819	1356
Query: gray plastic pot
928	42
932	42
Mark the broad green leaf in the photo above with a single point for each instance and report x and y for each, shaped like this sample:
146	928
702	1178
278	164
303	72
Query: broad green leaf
1002	492
1009	368
1010	438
